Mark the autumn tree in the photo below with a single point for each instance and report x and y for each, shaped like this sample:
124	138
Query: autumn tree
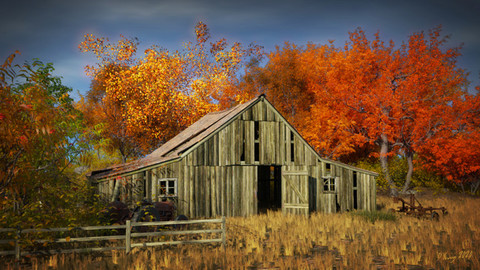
40	139
285	79
367	98
163	92
99	115
395	98
454	151
284	82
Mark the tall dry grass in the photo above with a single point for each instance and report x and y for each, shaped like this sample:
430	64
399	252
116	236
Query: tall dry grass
322	241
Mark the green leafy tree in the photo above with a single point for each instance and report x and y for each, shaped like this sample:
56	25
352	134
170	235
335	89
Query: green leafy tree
40	140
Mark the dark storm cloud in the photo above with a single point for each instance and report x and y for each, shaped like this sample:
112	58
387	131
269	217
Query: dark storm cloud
52	29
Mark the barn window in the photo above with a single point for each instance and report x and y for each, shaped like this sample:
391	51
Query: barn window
329	184
167	187
328	169
354	179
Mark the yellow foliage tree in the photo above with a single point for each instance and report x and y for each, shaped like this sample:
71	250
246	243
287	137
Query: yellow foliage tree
162	93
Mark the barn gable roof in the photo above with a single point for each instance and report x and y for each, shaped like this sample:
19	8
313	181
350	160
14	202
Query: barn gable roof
192	137
185	140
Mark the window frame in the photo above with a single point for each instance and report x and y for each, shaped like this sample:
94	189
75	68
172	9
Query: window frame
167	181
329	186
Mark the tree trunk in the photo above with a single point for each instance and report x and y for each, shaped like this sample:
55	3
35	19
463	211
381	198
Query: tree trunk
384	164
408	178
116	190
474	186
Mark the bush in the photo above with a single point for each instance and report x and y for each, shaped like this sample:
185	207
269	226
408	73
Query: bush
398	168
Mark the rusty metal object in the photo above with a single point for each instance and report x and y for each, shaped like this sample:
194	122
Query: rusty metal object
166	210
148	211
414	208
116	213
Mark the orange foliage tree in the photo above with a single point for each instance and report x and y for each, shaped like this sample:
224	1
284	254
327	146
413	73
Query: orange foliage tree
369	97
162	93
395	98
455	150
284	82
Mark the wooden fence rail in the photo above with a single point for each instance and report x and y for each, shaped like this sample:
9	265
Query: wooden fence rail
128	236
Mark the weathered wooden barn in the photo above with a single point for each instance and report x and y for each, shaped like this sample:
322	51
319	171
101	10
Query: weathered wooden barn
238	162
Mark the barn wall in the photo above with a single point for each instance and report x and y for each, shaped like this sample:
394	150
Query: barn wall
219	177
274	143
228	162
343	199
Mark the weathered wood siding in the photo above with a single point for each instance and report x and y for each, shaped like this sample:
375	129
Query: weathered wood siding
274	141
232	154
295	193
219	176
342	198
205	191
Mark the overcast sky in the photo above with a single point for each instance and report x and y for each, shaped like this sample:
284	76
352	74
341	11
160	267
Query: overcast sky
52	29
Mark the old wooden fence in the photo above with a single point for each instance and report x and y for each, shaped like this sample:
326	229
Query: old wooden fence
127	237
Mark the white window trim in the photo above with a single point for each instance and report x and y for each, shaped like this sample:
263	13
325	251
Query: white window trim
329	179
167	180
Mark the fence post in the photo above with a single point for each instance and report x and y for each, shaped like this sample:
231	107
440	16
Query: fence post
127	236
224	241
17	245
224	231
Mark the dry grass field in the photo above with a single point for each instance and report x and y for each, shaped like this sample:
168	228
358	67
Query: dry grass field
321	241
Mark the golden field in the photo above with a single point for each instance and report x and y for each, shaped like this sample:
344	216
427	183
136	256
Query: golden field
321	241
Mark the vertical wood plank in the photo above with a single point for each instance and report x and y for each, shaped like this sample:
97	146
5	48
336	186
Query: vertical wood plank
221	146
217	150
288	151
254	190
238	194
234	142
272	138
270	113
207	187
191	193
180	188
154	183
247	195
228	191
254	113
282	142
213	192
319	186
227	146
197	190
374	191
238	141
223	182
284	192
218	174
260	111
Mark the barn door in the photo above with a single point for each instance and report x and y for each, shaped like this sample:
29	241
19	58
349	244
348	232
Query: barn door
295	190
